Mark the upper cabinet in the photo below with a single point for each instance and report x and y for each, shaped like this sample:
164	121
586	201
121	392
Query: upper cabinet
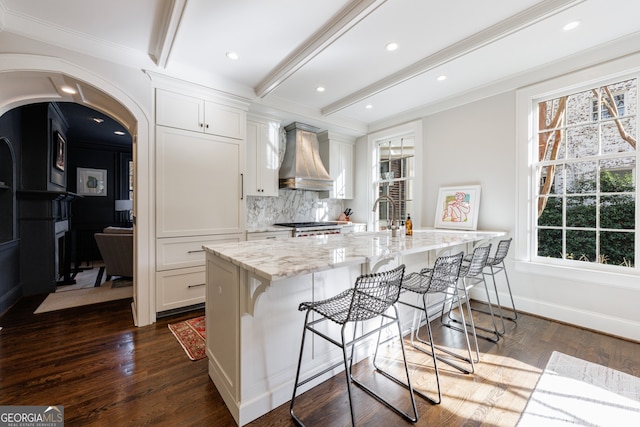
263	162
187	112
337	153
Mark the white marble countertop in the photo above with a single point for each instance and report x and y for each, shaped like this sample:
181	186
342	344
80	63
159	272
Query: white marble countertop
280	259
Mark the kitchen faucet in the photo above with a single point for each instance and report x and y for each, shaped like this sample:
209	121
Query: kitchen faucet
394	227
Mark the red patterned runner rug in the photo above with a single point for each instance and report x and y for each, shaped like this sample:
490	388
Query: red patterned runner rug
191	335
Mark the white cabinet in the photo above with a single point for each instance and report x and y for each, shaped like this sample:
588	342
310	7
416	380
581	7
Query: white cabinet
187	112
337	154
199	182
200	172
263	143
180	265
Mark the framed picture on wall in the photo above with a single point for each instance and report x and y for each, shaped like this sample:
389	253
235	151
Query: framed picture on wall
92	182
457	207
59	151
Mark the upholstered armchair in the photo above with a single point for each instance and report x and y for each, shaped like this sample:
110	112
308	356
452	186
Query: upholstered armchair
116	247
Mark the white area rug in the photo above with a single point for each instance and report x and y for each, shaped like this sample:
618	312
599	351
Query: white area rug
86	277
574	392
79	297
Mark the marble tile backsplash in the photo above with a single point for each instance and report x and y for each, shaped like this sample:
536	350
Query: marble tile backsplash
291	206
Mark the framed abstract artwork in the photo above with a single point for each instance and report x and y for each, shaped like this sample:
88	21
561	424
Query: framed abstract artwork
457	207
92	182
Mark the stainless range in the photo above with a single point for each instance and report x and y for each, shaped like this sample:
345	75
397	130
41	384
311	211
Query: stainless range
301	229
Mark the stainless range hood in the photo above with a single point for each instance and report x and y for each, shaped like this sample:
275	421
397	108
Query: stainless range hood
302	168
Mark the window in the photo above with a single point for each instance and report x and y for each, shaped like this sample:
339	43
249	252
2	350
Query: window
584	175
394	177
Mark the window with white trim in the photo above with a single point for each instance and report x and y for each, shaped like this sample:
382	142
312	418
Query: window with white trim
394	177
583	171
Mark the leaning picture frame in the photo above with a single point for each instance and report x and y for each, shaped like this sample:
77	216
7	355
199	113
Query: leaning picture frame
92	182
457	207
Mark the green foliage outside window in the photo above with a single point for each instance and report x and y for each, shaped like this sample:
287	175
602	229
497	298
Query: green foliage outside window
617	213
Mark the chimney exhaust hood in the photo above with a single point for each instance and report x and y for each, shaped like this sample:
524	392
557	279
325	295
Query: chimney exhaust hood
302	168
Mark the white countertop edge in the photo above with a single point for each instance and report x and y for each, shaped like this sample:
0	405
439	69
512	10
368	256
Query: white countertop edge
358	260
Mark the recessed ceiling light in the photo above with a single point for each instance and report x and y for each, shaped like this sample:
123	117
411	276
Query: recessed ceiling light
368	106
391	46
97	119
119	132
441	78
320	89
232	55
68	89
571	25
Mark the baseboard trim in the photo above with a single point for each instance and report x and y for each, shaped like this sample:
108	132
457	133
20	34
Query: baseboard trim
180	310
594	321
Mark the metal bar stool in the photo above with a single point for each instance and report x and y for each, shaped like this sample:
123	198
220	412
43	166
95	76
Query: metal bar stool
442	278
495	265
472	273
373	296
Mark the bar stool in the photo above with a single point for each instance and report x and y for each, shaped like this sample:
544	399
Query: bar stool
495	265
442	278
373	296
472	274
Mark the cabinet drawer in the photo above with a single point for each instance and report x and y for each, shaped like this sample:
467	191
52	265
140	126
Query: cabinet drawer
180	288
264	235
180	252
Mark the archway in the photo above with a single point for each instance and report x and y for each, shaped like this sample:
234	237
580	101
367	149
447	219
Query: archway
33	78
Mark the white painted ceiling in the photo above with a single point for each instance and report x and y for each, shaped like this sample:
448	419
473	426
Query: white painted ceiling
287	48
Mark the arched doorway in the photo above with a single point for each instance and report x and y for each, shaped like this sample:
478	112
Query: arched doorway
33	79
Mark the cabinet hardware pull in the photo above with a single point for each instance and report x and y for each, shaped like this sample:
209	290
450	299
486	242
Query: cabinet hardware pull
271	237
201	124
197	286
195	251
241	186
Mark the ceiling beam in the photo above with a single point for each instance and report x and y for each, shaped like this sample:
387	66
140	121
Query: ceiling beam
165	34
343	21
511	25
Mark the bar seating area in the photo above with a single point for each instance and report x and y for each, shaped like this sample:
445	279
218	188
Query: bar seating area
377	295
373	296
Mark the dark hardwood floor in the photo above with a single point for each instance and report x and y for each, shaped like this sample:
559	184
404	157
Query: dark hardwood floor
106	372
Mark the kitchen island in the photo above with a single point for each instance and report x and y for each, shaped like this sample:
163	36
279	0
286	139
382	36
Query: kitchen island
254	289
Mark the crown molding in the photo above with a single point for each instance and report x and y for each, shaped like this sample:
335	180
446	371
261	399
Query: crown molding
55	35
